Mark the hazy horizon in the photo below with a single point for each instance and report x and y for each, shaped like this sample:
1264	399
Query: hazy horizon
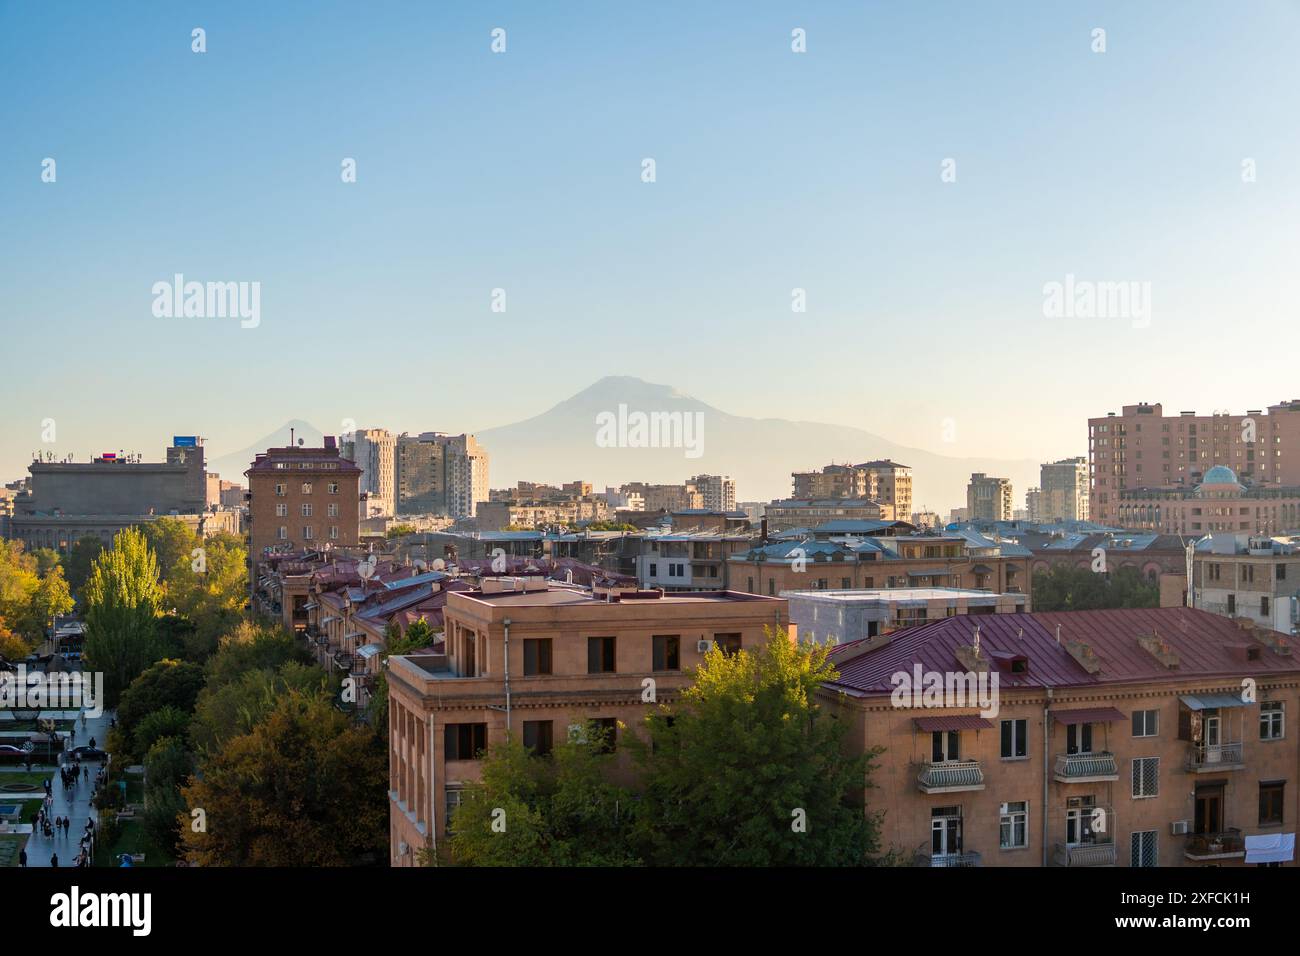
521	171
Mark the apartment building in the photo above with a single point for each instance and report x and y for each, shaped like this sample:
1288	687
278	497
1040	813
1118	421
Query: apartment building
719	491
1249	576
503	515
805	512
437	473
688	560
954	559
374	450
302	498
988	498
1218	503
1111	738
1141	447
840	617
882	480
538	661
683	497
1063	490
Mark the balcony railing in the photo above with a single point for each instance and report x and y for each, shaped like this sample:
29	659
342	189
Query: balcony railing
950	775
1215	846
1085	854
1086	768
969	858
1203	758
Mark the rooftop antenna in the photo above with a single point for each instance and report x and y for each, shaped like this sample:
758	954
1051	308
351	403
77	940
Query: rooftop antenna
1058	634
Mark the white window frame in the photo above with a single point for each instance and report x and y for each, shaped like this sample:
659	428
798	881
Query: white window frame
1267	719
1147	732
1008	819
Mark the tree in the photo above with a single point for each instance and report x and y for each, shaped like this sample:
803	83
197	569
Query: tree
166	683
12	646
559	810
399	531
30	597
210	589
173	541
1064	588
227	710
252	647
167	767
122	602
749	770
164	722
305	787
81	558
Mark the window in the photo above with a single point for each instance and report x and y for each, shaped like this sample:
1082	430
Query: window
600	655
728	643
606	730
945	745
667	652
1270	802
654	569
537	656
332	509
282	511
1142	848
308	532
1015	739
332	487
279	491
465	741
283	533
306	487
1281	572
1078	739
771	586
306	509
539	736
453	803
1146	723
1014	827
1272	722
1263	606
1146	776
334	531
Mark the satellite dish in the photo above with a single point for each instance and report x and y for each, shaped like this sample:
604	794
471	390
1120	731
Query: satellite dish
300	442
438	564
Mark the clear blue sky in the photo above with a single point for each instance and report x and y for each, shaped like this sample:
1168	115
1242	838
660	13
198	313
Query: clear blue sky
521	171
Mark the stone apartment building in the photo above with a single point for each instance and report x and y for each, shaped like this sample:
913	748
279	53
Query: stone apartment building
988	498
538	660
881	480
374	450
1141	447
435	473
1063	491
1119	738
1249	577
302	498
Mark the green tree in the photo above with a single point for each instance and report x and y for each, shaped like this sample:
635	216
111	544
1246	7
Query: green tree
32	590
305	787
231	708
122	604
173	541
167	767
749	769
1064	588
165	683
559	810
81	558
164	722
253	647
210	589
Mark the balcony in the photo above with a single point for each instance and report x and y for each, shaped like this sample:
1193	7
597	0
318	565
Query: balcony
1084	854
1086	768
950	776
1228	845
969	858
1211	758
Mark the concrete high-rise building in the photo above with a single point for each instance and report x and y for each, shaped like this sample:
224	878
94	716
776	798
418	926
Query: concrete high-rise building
438	473
889	483
719	491
1064	490
1034	504
374	452
1143	448
881	480
988	499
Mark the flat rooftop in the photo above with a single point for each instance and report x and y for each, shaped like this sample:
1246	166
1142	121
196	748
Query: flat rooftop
896	594
556	597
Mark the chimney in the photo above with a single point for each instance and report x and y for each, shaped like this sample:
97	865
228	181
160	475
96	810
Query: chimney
762	530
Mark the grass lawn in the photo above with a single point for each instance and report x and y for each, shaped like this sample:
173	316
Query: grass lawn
36	777
10	844
133	839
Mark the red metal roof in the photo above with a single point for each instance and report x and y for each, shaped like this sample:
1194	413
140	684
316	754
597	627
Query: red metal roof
1206	645
1088	715
959	722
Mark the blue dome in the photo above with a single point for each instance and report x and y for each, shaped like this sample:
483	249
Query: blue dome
1220	475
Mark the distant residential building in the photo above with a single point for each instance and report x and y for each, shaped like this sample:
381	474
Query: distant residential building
881	480
301	498
804	513
1219	503
374	450
502	515
988	498
926	519
665	497
1034	505
1249	577
440	474
719	491
1064	489
1143	448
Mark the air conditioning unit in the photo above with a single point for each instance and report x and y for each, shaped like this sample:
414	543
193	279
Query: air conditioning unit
1181	827
703	646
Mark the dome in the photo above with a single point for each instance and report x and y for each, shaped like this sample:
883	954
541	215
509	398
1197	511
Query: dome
1220	475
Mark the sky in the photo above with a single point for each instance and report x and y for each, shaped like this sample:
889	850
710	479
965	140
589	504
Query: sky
522	170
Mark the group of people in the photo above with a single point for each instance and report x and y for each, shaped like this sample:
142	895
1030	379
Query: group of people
48	826
51	826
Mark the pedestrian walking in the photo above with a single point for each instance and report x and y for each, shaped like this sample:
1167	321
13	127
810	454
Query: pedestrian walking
54	860
22	858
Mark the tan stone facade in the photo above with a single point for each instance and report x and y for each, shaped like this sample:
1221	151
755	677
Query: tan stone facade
302	498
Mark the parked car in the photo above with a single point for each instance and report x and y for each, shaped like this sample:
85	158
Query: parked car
8	752
87	753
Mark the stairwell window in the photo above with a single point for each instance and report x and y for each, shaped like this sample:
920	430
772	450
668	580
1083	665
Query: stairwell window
1146	777
1146	723
1015	739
